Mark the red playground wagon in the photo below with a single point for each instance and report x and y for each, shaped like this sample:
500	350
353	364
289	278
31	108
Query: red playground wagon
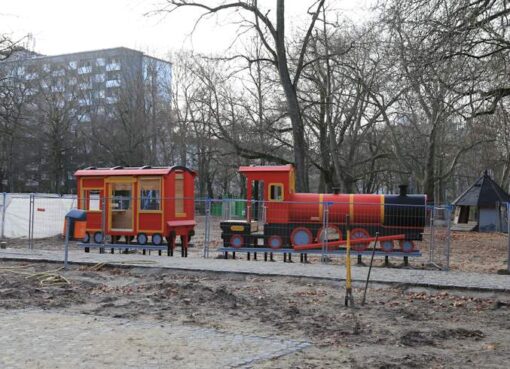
143	205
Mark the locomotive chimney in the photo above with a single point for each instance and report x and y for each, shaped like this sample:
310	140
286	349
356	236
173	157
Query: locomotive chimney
403	190
336	190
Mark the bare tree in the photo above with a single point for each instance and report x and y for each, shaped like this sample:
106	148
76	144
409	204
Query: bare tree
53	125
272	34
14	99
425	41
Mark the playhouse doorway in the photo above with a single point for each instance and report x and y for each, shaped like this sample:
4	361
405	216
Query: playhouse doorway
121	206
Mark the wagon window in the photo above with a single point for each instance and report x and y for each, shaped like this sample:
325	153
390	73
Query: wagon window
91	200
179	195
121	199
276	192
150	194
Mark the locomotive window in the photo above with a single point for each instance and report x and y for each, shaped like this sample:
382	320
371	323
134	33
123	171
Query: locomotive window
150	194
276	192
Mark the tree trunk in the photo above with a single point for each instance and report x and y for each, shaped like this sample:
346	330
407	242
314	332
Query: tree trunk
298	131
429	182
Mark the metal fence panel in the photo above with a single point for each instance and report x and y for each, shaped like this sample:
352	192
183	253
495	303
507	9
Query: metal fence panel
278	226
440	237
17	214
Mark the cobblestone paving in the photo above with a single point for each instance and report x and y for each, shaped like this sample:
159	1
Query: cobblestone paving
426	278
44	340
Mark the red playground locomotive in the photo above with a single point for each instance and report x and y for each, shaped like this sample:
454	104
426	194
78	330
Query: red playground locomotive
298	221
146	203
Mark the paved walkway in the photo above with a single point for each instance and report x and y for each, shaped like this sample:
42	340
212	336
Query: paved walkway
63	340
425	278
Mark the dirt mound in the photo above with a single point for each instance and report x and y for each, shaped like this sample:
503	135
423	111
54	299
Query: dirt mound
431	338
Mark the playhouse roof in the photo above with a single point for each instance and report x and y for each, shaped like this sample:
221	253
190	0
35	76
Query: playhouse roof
129	171
484	192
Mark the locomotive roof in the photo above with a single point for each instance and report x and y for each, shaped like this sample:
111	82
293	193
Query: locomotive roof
266	168
129	171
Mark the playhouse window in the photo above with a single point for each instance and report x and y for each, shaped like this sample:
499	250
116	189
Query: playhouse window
150	194
121	199
179	194
91	200
276	192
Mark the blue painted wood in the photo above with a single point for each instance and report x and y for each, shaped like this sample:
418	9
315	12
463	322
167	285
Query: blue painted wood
122	246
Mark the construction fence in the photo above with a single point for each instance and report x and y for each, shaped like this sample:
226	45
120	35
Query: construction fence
311	228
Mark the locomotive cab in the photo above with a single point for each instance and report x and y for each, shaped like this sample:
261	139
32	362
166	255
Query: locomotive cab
268	185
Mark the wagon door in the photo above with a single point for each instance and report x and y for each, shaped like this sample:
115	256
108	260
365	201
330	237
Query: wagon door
121	209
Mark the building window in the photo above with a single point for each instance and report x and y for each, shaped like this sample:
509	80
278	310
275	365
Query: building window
100	77
85	68
150	194
110	114
113	64
58	73
113	83
100	62
84	118
73	64
111	99
31	76
113	75
57	88
85	102
99	94
85	86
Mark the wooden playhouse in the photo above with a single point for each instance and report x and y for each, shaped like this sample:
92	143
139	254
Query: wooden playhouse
143	205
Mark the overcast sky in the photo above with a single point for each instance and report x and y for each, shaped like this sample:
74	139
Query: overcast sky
65	26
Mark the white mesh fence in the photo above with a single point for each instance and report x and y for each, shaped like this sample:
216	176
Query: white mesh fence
33	215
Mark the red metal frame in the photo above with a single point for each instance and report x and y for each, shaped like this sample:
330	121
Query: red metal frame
336	244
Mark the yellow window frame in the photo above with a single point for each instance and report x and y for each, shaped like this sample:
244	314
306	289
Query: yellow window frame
84	198
179	175
281	186
140	210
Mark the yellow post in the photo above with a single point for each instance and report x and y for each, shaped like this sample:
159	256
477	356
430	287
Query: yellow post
348	277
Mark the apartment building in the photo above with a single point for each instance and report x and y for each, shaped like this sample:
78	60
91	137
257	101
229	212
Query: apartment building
111	97
93	80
